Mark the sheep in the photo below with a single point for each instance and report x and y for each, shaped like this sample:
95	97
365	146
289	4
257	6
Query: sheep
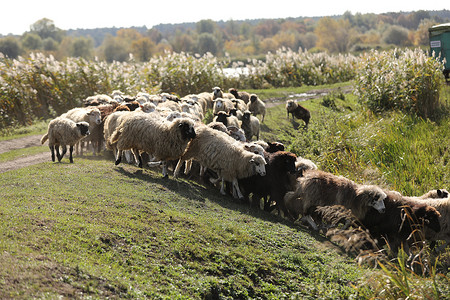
401	219
172	105
318	188
304	164
271	146
192	107
110	125
239	105
244	96
147	107
298	111
208	98
217	151
217	93
442	205
434	194
63	132
90	115
274	184
163	139
250	125
97	100
221	104
199	100
226	119
236	133
256	106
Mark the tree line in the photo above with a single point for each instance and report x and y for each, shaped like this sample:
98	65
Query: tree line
346	33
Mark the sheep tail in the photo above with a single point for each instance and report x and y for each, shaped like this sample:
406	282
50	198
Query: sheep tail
115	135
44	138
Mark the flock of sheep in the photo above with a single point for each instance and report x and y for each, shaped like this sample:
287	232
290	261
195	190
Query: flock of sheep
168	131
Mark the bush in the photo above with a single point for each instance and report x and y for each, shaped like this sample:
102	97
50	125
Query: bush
407	80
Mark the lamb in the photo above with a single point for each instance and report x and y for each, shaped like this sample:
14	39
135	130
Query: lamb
217	93
276	182
219	152
221	104
163	139
90	115
226	119
256	106
318	188
63	132
401	219
244	96
298	111
250	125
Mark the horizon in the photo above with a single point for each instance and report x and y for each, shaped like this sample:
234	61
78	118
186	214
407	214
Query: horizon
113	14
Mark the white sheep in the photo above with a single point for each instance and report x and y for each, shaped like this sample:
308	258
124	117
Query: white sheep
90	115
256	106
250	125
218	93
217	151
192	107
221	104
146	107
63	132
163	139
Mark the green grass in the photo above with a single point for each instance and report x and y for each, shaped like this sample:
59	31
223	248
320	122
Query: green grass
93	229
38	127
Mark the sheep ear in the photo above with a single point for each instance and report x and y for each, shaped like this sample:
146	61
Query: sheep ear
252	161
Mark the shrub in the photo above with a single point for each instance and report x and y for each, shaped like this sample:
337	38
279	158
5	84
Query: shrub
407	80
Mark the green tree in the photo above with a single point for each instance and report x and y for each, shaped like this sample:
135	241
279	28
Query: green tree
115	49
396	35
31	41
207	42
49	44
46	28
10	47
82	47
206	26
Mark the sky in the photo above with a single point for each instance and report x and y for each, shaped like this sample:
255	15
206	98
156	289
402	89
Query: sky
16	16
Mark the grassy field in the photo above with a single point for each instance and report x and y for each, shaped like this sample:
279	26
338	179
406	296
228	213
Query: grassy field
95	230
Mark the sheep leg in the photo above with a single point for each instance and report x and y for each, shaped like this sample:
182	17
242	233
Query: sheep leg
164	171
236	189
52	150
137	157
188	167
222	187
176	172
311	222
118	157
70	154
64	150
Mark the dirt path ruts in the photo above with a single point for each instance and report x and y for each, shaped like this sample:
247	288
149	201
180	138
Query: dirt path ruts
23	161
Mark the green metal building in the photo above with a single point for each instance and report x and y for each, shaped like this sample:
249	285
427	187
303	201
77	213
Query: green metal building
440	44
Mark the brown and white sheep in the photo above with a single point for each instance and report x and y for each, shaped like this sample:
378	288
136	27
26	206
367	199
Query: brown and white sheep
256	106
244	96
163	139
250	125
298	111
63	132
318	188
219	152
401	220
